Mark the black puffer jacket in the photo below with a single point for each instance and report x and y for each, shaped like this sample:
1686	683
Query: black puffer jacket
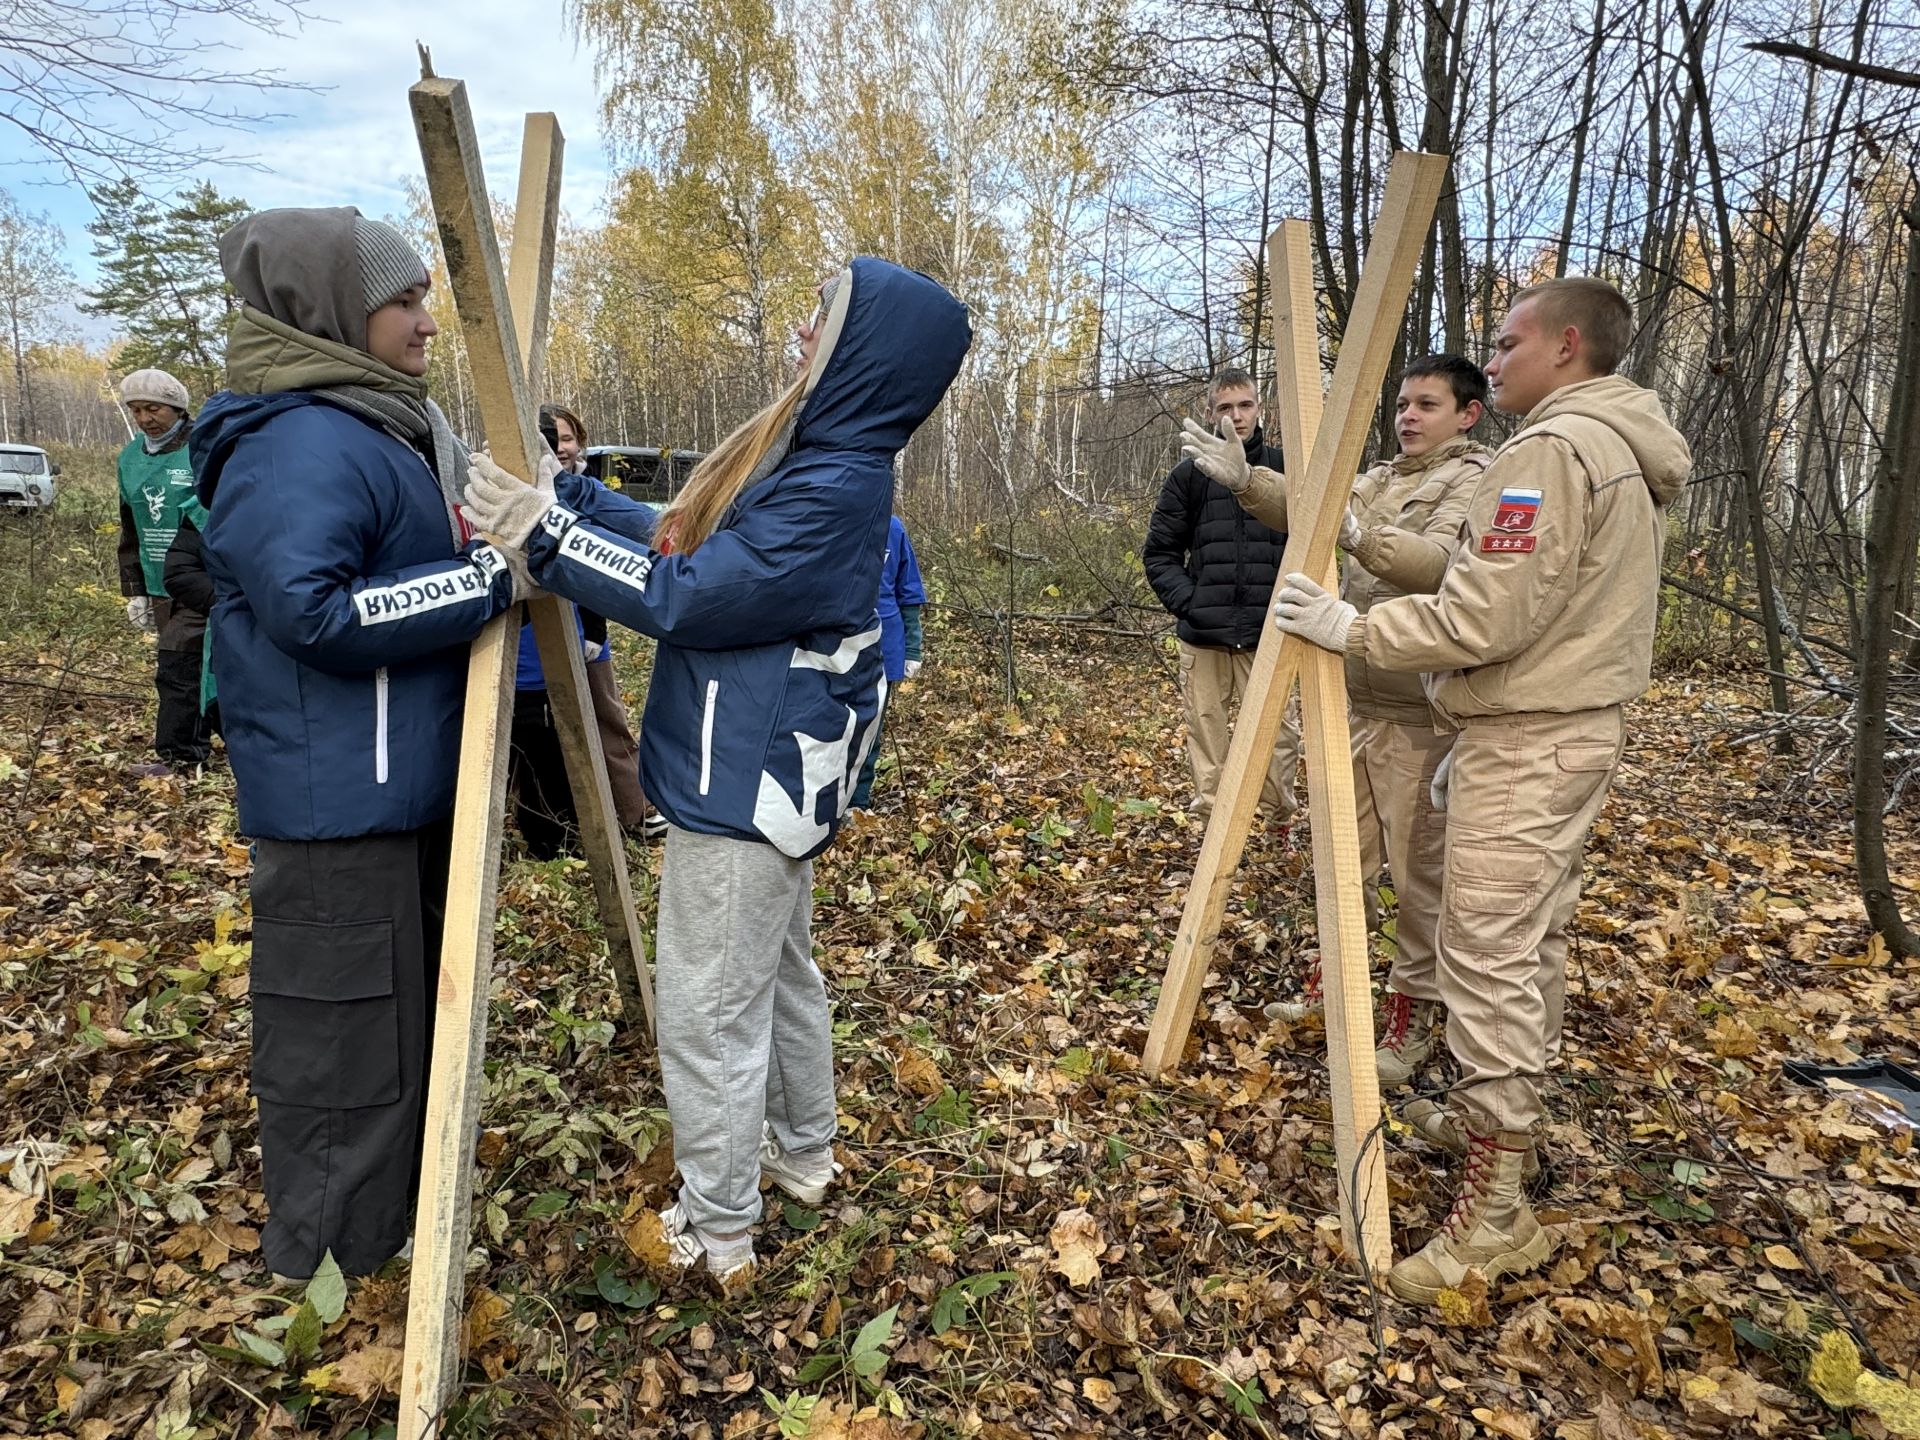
184	573
1210	562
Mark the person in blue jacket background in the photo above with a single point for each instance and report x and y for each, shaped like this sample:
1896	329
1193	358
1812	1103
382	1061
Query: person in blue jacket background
346	591
902	595
760	582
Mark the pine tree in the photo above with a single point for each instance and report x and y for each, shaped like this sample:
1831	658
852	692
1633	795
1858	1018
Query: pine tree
160	277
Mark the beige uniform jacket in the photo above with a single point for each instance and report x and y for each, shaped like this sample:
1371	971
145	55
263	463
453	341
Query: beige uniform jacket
1549	600
1410	511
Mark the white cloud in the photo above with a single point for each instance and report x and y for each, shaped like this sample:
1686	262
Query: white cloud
351	142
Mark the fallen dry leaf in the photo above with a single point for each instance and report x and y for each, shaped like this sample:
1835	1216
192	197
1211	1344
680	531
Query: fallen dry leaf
1077	1246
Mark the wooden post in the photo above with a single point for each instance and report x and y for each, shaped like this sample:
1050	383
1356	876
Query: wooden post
463	212
1317	496
1344	972
555	630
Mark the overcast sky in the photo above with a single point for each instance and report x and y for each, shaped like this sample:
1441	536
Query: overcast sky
352	143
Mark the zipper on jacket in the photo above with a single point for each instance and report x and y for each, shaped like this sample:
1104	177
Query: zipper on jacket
706	736
380	726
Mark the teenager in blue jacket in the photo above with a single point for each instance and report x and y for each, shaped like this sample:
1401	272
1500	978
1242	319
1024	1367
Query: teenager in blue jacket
345	594
902	595
759	582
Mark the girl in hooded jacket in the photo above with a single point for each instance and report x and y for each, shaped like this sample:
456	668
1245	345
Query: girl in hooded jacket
760	582
346	591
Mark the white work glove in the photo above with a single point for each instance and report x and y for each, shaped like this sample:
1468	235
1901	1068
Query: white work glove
590	650
1349	531
1218	457
502	504
524	585
1442	777
140	613
913	669
1302	608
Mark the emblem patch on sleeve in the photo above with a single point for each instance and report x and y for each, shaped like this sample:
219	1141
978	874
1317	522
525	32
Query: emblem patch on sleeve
1507	544
1518	510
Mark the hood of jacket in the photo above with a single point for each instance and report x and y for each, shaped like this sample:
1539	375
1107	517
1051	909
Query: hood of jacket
301	265
898	346
1441	454
221	424
1636	415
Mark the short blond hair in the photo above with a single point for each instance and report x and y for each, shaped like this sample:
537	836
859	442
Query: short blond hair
1602	315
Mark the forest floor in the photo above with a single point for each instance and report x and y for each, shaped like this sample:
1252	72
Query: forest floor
1029	1239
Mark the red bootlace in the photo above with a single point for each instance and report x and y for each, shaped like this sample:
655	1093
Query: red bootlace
1479	1161
1311	986
1399	1017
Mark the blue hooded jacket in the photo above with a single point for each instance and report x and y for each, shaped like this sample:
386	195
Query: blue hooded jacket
766	691
900	589
343	608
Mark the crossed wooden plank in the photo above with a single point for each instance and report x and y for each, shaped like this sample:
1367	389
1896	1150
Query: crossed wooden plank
500	365
1317	496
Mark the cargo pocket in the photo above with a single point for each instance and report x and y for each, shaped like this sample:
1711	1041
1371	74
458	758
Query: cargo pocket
1581	767
326	1026
1491	894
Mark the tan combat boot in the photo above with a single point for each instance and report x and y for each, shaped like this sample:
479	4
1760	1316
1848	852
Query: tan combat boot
1491	1228
1435	1124
1406	1039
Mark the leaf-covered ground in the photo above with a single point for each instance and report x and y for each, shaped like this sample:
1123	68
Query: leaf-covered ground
1029	1239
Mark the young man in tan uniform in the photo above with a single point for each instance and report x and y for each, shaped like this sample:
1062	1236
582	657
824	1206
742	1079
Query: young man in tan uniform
1399	535
1541	630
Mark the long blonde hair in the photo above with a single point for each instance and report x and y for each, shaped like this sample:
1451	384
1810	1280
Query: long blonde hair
719	478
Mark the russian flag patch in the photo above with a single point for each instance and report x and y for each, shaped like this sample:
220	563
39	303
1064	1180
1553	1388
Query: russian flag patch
1518	509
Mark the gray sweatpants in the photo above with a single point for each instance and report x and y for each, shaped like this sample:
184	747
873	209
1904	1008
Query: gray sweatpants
745	1034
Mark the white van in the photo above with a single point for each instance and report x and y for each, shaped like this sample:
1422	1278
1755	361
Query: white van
26	477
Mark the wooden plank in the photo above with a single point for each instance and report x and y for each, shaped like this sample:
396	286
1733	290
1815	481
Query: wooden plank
536	237
529	278
442	1218
1406	213
1359	1156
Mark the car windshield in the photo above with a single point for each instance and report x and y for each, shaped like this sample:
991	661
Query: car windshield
15	462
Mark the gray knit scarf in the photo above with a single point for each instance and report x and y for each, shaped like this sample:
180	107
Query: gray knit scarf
419	423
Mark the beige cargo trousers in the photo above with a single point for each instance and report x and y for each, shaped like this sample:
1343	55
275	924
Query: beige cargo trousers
1393	767
1212	682
1524	792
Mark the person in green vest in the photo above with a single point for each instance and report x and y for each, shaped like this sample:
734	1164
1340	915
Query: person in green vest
156	482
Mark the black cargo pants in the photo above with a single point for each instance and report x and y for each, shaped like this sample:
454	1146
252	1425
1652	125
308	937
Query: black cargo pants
346	955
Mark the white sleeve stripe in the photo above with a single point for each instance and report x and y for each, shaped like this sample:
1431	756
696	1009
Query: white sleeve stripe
470	580
630	567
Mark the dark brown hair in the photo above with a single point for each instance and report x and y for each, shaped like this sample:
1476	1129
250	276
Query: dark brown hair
561	412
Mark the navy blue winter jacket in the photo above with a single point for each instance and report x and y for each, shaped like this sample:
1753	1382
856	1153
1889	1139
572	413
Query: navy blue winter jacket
766	691
342	616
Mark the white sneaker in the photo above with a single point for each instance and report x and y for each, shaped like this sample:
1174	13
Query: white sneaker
688	1245
805	1180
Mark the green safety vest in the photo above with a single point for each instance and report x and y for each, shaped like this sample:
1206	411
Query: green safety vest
154	488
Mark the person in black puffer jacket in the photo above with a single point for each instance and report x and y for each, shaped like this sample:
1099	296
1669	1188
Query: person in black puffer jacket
1214	566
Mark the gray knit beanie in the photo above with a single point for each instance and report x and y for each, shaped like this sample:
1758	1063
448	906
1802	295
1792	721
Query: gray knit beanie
389	265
